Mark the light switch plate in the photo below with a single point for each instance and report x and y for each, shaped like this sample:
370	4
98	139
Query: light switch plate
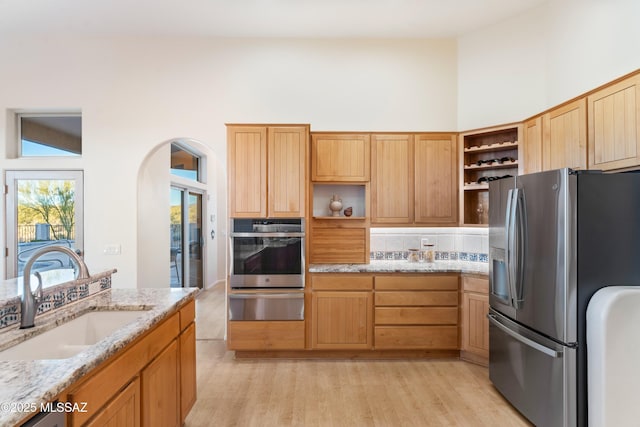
113	249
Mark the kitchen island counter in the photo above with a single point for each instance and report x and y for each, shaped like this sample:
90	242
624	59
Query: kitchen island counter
30	384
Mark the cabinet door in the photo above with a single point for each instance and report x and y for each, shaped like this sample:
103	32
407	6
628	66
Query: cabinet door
339	245
247	163
564	137
340	157
188	391
392	179
122	411
160	390
342	320
532	146
475	325
614	125
436	179
287	166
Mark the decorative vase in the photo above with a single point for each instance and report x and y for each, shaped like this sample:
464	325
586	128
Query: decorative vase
335	205
348	211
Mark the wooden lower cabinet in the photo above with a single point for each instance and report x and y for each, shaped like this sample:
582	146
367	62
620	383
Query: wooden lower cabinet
416	312
152	382
265	335
122	411
160	390
342	320
475	325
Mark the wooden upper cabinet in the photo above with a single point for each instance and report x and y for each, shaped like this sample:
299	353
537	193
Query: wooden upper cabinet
340	157
267	171
436	179
247	163
564	136
287	185
614	125
531	160
392	179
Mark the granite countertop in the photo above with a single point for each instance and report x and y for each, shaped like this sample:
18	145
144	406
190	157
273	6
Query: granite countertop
404	266
30	383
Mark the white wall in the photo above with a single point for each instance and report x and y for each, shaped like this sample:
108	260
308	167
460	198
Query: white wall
515	69
136	93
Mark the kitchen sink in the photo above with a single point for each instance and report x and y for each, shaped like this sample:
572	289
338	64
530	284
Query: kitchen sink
72	337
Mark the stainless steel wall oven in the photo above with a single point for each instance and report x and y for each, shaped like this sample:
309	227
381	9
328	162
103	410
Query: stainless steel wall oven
267	253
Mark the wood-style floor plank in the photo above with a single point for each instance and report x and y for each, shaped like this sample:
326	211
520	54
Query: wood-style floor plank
326	393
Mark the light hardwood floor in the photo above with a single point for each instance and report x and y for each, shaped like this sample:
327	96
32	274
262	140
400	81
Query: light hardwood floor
335	392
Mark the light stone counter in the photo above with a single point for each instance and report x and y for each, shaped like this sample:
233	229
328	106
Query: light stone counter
29	384
404	266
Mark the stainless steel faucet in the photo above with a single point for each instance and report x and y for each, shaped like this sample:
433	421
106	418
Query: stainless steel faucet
31	301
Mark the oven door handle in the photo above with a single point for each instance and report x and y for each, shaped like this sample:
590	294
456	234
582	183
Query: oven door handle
267	234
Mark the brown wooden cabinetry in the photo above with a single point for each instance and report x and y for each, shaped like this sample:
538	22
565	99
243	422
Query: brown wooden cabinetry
414	179
564	136
531	160
342	311
340	157
150	382
265	335
486	154
614	125
416	312
475	325
267	170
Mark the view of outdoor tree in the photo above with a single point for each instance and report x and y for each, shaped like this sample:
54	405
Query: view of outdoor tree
48	201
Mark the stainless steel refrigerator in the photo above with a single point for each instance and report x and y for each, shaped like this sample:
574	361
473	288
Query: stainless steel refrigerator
555	238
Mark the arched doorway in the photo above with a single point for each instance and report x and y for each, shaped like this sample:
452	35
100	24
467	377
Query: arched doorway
161	259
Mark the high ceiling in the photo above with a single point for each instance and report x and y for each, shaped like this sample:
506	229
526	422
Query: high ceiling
257	18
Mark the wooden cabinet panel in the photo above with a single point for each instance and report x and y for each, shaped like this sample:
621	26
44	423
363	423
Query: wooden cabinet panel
341	282
436	179
392	183
421	282
160	390
564	137
416	315
342	320
265	335
475	325
532	147
188	389
614	125
416	337
409	298
247	163
287	165
340	157
122	411
338	245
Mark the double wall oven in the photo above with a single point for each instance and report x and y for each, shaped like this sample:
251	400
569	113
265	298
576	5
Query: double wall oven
267	269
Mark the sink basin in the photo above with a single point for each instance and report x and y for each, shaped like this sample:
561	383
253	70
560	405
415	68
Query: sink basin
72	337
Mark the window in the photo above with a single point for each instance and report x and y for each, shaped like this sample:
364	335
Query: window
50	134
184	163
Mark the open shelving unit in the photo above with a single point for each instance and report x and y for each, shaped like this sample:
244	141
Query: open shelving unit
485	154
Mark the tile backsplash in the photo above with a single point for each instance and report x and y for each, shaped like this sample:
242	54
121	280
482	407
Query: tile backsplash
463	243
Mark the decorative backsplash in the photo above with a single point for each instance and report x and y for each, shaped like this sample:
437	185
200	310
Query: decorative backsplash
451	244
56	297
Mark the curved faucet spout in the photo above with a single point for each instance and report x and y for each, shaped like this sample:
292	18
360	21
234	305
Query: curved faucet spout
30	301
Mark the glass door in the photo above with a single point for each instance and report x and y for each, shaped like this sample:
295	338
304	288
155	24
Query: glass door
44	208
186	242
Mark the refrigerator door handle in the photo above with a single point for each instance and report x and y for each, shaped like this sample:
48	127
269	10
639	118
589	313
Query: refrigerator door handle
519	224
510	246
524	340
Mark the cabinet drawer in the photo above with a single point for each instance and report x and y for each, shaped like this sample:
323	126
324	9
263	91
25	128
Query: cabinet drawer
338	245
416	337
413	298
423	282
416	315
341	282
475	284
266	335
187	314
